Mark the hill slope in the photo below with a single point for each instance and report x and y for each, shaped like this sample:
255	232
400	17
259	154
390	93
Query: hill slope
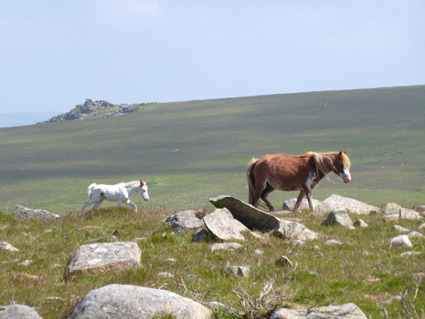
190	151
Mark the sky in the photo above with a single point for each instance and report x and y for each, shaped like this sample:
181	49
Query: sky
55	54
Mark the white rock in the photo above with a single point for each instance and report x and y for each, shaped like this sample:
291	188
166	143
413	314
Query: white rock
133	302
104	257
6	246
400	241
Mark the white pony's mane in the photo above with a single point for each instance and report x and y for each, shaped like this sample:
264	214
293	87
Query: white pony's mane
130	184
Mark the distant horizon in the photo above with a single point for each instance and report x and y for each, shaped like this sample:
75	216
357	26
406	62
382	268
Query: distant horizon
14	119
24	118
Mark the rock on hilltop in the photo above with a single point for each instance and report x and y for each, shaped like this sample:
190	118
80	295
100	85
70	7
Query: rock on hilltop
92	108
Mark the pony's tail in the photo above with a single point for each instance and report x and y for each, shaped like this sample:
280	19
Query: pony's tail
89	189
251	179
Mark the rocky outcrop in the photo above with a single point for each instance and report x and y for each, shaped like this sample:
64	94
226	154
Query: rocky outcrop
131	302
104	258
256	219
92	108
21	212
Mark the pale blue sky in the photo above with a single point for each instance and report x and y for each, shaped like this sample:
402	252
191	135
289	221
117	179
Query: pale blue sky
54	54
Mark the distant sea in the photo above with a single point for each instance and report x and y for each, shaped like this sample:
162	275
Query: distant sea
24	118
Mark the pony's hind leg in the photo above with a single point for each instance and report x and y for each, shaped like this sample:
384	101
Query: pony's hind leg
266	193
85	204
96	206
299	200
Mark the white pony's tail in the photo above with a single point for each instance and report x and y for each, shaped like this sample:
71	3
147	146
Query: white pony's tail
89	189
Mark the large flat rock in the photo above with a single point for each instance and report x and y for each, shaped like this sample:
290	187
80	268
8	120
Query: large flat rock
222	225
104	258
134	302
251	217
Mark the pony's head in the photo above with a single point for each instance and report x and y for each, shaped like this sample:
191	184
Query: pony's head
339	163
143	190
342	166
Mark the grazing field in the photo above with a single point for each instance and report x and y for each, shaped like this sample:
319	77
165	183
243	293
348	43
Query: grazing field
189	151
363	270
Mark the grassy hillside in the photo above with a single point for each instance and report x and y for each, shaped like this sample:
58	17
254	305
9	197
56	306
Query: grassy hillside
190	151
362	270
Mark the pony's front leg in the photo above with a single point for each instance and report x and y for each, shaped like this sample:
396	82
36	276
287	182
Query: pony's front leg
128	202
299	200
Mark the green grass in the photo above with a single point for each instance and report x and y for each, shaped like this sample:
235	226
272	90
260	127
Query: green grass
322	274
190	151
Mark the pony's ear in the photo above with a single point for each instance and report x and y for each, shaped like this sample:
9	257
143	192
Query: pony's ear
142	183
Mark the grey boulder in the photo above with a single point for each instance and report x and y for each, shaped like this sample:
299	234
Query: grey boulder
134	302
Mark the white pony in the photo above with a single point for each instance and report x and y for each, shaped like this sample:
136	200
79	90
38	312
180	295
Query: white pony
120	193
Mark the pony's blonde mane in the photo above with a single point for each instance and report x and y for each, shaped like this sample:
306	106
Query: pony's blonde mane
129	184
324	161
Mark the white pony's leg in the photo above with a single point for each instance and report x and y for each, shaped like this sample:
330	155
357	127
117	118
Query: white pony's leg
132	205
87	203
96	206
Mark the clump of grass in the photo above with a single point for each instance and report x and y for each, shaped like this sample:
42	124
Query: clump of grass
363	270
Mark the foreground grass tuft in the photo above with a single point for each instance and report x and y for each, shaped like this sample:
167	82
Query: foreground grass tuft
362	270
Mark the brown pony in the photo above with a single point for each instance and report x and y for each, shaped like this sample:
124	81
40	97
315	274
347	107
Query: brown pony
291	173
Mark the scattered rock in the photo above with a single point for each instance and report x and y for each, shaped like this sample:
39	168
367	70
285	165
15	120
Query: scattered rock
16	311
25	213
241	271
336	202
360	223
409	214
25	263
251	217
201	234
400	241
225	246
164	274
399	229
415	234
131	302
297	243
185	220
392	209
222	225
104	258
345	311
410	253
290	204
6	246
258	252
338	217
294	231
419	209
422	226
332	242
284	261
